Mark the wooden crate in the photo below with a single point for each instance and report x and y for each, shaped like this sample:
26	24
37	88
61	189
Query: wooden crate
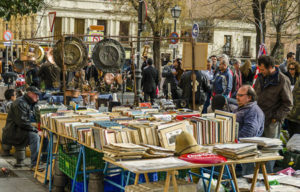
183	186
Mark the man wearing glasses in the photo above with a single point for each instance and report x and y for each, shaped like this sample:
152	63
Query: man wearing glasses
250	118
289	58
274	97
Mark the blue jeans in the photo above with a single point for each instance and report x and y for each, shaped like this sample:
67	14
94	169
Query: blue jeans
34	145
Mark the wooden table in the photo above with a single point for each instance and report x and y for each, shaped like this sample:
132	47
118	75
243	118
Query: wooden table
171	172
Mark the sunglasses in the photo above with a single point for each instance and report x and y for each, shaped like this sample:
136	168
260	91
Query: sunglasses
292	69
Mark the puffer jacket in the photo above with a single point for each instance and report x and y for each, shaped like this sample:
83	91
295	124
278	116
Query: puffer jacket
223	83
274	96
18	122
251	120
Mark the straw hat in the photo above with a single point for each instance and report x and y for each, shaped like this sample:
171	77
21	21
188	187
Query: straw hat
186	143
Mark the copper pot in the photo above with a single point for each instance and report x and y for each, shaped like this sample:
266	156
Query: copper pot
109	78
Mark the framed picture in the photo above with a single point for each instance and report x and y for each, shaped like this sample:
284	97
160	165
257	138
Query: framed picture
168	135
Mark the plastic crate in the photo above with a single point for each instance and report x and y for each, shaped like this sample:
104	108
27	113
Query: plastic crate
181	175
79	186
68	161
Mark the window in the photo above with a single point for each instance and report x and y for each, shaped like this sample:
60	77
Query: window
246	46
103	23
227	44
205	31
124	31
79	27
57	27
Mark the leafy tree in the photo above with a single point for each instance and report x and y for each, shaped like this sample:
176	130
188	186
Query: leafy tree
10	8
158	11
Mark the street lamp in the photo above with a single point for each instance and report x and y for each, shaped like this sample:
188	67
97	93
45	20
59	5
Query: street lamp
175	11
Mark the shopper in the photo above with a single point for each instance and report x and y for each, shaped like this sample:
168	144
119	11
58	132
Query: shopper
247	73
293	72
223	79
91	72
149	81
18	130
289	58
274	97
172	76
237	77
201	90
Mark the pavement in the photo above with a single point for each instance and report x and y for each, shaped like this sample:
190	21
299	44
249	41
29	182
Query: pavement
18	179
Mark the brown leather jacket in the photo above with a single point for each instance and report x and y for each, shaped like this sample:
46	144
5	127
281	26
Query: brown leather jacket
274	96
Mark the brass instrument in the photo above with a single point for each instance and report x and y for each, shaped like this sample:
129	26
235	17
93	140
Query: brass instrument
146	50
37	54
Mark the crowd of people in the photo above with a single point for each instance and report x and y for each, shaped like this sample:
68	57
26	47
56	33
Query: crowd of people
264	102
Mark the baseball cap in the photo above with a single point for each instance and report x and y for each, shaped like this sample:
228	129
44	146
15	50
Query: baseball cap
33	89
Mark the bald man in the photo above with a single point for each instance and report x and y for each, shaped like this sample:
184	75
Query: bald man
249	116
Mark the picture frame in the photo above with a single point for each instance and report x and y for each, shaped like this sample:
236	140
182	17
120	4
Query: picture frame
168	135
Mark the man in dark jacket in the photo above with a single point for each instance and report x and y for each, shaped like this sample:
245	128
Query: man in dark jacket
202	88
250	118
18	130
274	97
149	81
91	72
172	74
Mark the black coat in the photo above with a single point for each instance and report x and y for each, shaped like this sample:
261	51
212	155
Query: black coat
149	79
91	72
18	122
187	89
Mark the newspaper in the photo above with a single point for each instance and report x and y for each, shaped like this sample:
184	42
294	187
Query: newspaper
154	164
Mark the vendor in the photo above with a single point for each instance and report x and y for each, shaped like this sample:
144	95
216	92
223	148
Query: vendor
18	130
49	73
250	118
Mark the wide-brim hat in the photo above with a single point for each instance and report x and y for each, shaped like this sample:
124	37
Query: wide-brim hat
186	143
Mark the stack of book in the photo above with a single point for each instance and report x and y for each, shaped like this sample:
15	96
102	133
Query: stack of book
220	127
236	151
267	146
157	152
124	151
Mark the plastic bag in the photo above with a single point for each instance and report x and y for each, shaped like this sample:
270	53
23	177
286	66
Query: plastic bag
294	143
200	187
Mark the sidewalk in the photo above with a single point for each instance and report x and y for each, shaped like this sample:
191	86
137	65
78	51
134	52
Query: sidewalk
19	179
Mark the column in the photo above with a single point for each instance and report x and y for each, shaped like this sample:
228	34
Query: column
72	25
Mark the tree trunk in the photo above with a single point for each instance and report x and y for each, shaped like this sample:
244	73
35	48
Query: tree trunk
258	8
156	53
278	40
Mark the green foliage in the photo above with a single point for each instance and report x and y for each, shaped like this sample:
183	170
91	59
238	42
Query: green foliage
10	8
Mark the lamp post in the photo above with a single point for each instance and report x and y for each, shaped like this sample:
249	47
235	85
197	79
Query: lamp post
175	11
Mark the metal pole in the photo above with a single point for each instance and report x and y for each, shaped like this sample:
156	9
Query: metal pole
138	70
64	68
174	50
193	73
6	54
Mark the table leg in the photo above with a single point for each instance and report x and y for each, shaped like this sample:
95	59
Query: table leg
39	155
167	183
234	177
220	178
257	166
146	177
174	181
136	180
263	167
